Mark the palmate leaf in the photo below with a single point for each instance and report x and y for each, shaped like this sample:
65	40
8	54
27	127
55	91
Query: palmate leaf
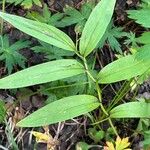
46	16
111	36
43	73
9	53
41	31
61	110
141	16
96	26
51	52
126	67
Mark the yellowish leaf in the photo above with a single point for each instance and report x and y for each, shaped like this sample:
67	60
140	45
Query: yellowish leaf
120	144
41	137
109	146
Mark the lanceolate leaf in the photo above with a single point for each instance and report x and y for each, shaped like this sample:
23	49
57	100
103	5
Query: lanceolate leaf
61	110
42	73
126	67
131	110
96	26
144	38
41	31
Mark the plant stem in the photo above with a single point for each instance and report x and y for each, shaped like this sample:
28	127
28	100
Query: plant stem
99	95
87	70
100	99
115	131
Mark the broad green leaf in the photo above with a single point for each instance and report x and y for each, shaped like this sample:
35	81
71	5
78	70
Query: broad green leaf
46	72
144	38
41	31
96	26
131	110
61	110
125	68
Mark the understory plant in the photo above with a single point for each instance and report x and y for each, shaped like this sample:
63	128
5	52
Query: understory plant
25	3
126	68
9	53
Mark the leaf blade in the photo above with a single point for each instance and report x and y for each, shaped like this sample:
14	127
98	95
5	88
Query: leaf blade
96	26
126	67
61	110
41	31
131	110
43	73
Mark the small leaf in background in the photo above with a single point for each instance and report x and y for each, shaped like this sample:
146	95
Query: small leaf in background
82	146
71	16
96	26
141	16
41	31
120	144
51	52
126	68
46	16
95	135
27	4
61	110
10	53
143	128
131	39
43	73
131	110
111	36
2	111
78	17
146	141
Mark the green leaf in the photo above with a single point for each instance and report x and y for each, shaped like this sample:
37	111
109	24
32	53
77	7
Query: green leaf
131	110
41	31
125	68
111	36
82	146
51	52
2	111
26	3
46	72
96	26
71	16
144	38
141	16
61	110
10	53
45	16
96	135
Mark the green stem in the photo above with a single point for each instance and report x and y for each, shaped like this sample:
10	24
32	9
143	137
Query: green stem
100	121
115	131
100	99
89	75
87	70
